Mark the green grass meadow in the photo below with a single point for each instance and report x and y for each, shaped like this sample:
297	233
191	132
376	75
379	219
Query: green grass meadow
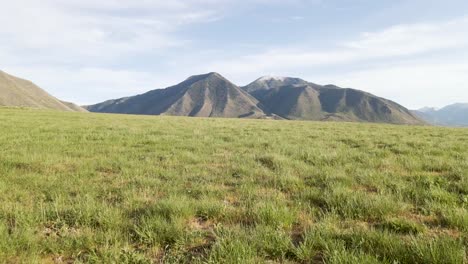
98	188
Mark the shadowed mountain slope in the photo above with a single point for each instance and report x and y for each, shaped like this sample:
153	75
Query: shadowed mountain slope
357	105
208	95
18	92
291	102
294	98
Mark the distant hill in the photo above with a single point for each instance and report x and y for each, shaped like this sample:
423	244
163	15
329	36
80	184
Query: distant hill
451	115
18	92
211	95
294	98
208	95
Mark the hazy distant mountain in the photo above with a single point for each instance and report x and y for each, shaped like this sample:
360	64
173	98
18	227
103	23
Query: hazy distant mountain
22	93
208	95
451	115
294	98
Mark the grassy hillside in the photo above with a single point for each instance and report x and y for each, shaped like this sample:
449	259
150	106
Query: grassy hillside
137	189
17	92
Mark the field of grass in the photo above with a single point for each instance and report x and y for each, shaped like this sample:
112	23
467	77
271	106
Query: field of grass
96	188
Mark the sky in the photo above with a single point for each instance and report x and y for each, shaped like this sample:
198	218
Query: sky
414	52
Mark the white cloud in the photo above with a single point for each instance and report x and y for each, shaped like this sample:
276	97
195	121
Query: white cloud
76	31
413	39
397	41
413	85
52	31
376	62
73	48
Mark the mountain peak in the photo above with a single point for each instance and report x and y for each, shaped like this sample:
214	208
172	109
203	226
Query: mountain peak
214	74
269	82
271	78
206	76
204	95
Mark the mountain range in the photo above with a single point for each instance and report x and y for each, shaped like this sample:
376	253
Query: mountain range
212	95
451	115
18	92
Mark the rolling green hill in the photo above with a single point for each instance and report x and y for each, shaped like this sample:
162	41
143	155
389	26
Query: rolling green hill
98	188
16	92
